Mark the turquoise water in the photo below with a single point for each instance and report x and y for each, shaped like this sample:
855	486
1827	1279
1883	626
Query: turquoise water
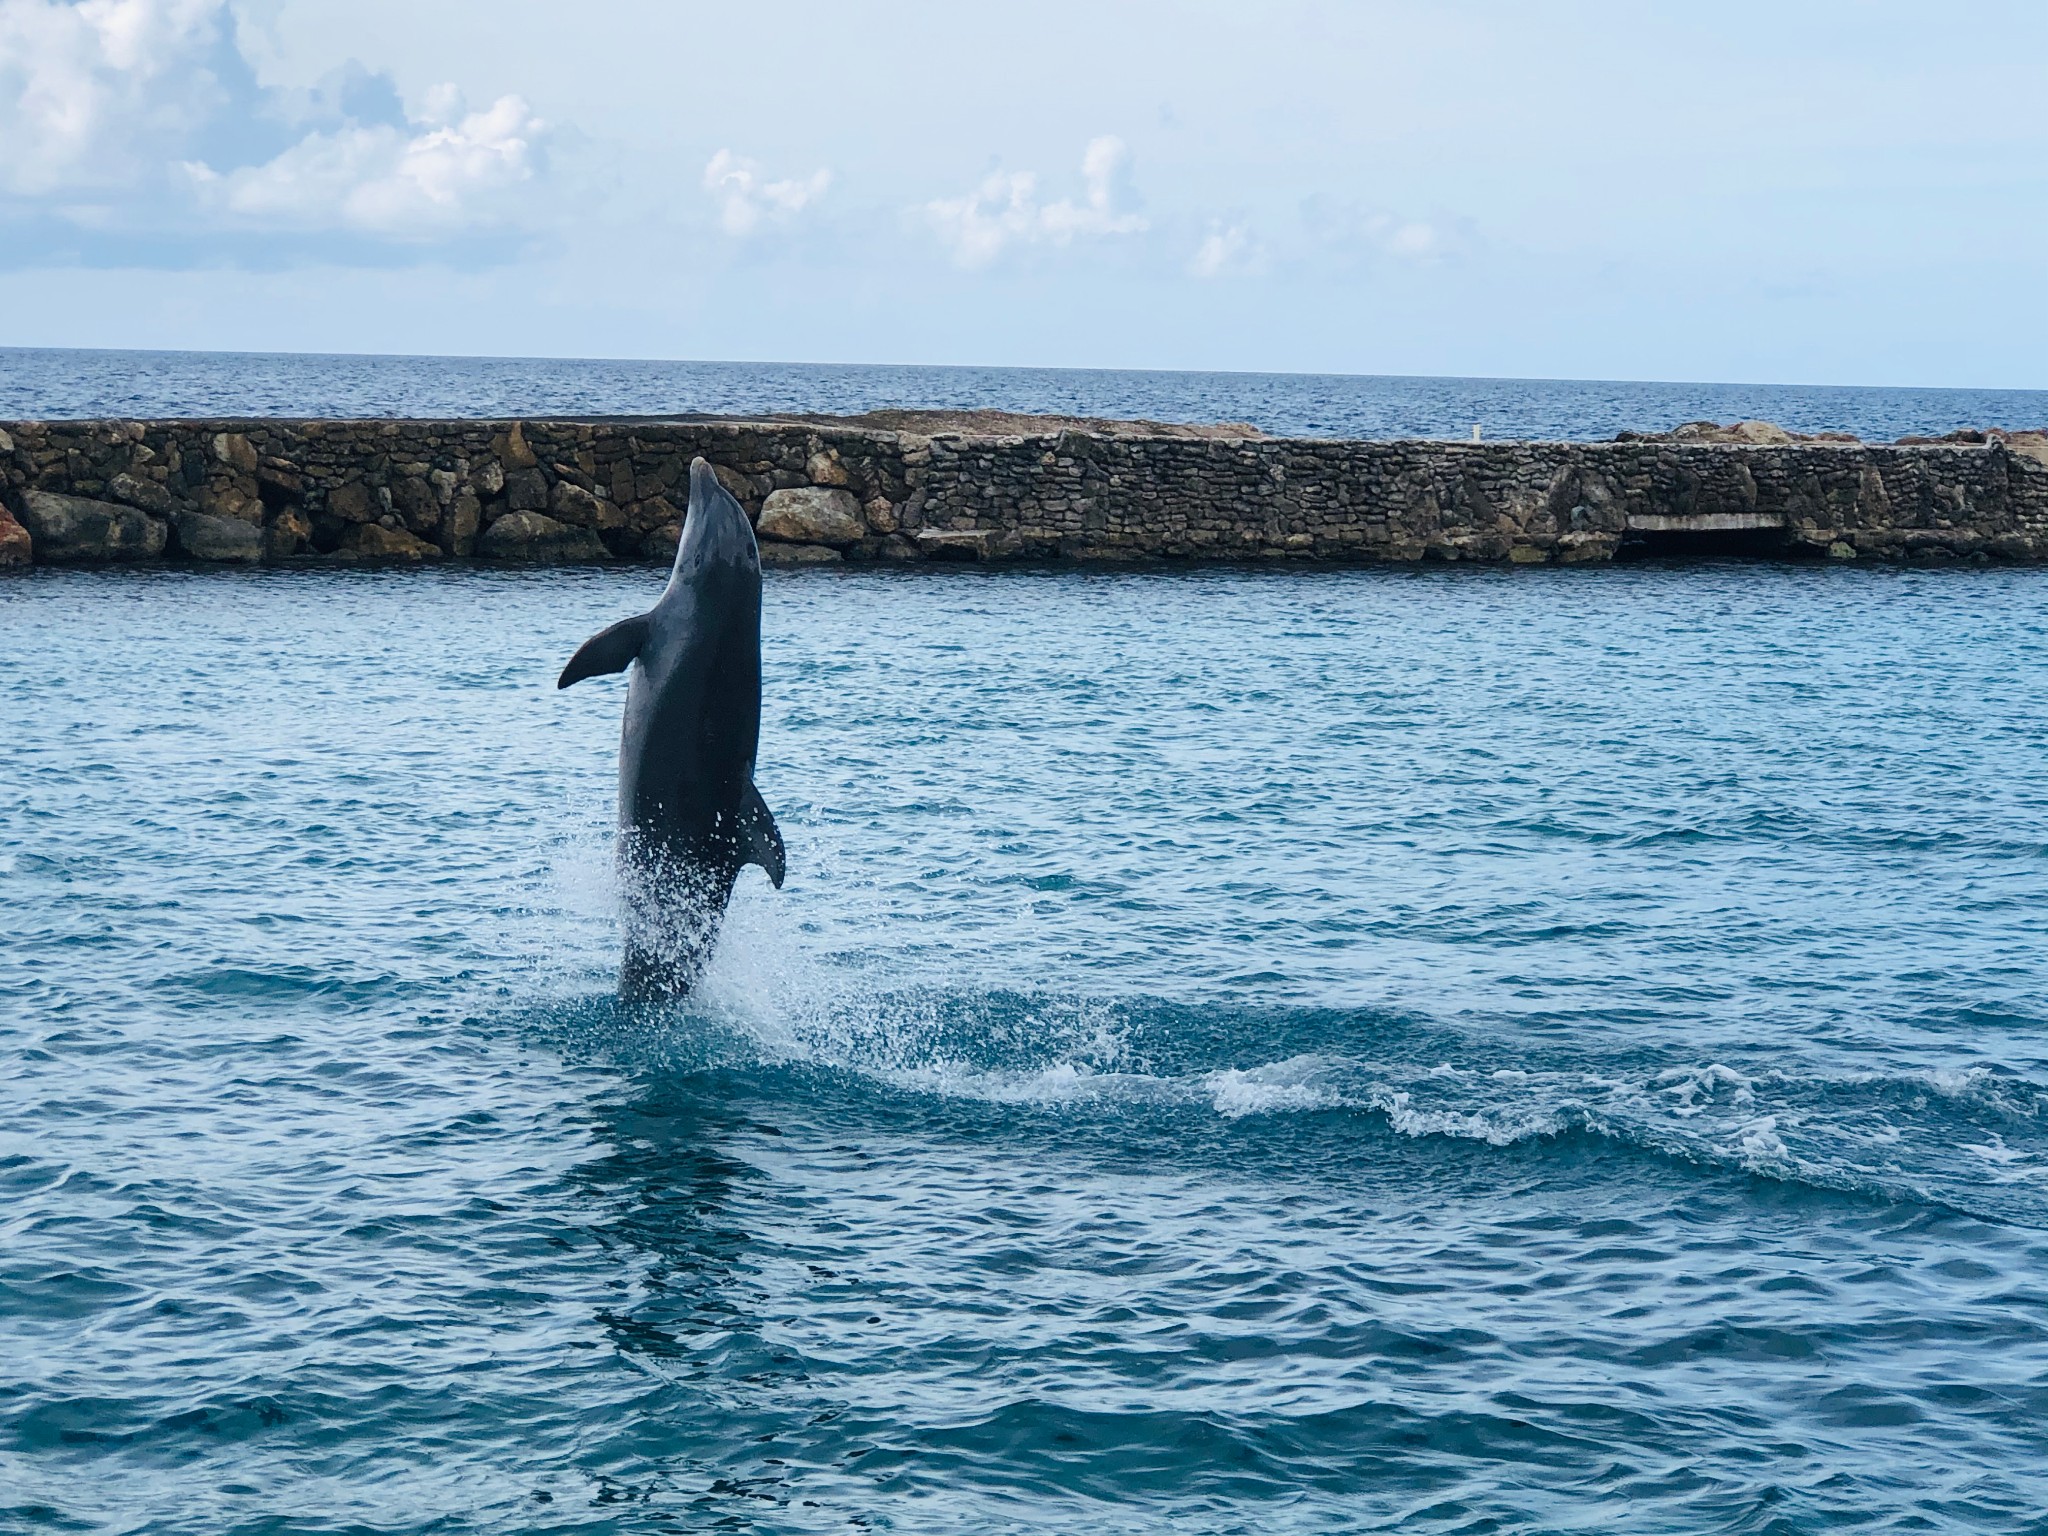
1447	1051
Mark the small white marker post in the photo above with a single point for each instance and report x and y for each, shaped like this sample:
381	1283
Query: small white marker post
1475	431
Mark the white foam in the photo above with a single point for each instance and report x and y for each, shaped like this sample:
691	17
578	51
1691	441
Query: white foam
1281	1087
1061	1084
1961	1082
2009	1165
1499	1128
788	984
1690	1090
1760	1148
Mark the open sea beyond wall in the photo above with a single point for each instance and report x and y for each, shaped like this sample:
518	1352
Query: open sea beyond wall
41	384
1428	1049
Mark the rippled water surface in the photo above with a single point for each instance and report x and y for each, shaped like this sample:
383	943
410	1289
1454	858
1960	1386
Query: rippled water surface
1446	1051
53	383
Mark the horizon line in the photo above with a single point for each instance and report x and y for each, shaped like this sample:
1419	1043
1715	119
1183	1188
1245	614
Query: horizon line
1251	373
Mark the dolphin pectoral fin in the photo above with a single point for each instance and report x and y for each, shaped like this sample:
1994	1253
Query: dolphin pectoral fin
609	650
760	842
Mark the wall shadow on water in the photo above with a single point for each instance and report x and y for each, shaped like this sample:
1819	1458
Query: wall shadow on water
1680	546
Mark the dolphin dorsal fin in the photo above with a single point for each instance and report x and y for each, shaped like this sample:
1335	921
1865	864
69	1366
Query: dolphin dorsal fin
760	842
609	650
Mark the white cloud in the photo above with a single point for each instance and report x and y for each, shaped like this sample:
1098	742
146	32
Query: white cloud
1411	239
90	91
1005	209
129	115
1349	232
745	201
1225	251
444	172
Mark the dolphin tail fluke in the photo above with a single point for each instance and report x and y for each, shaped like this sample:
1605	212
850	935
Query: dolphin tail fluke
760	842
609	650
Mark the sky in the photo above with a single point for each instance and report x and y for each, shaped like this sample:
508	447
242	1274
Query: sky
1808	191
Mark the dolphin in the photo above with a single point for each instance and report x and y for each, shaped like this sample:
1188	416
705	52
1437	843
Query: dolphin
690	817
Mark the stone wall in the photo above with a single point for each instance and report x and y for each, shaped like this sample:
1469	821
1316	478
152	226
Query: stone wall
287	491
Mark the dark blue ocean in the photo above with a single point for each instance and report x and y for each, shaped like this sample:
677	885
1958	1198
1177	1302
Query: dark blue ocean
1449	1050
46	384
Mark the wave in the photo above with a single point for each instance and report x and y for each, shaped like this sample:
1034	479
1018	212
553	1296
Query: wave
794	1019
1972	1138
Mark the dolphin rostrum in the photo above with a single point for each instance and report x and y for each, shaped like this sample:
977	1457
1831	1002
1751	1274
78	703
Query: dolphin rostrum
689	815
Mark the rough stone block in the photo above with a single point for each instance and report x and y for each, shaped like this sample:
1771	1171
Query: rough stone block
511	447
655	512
203	536
137	492
824	468
538	537
353	503
16	547
572	504
953	544
460	522
661	543
799	554
77	528
236	451
232	498
739	486
413	499
289	533
373	541
526	490
812	515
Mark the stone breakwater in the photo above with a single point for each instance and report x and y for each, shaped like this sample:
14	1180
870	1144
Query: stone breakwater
916	488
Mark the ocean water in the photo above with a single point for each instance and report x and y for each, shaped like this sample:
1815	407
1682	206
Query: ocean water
1431	1050
48	384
